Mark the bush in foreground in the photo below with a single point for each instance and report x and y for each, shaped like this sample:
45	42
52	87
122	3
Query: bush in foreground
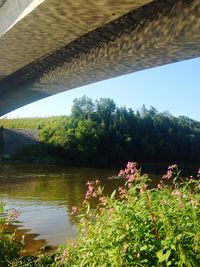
138	226
9	246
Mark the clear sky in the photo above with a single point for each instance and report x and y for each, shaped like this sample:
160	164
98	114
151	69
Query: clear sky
173	87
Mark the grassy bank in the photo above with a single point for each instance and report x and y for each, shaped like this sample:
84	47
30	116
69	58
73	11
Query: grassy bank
29	123
135	226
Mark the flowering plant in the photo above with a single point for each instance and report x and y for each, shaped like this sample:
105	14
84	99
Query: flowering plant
138	225
9	246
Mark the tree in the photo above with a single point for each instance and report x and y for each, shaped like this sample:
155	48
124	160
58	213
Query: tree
82	108
105	108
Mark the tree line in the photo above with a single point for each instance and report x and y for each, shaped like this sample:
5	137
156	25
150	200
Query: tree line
98	133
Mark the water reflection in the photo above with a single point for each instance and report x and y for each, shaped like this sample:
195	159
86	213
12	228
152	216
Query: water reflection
44	195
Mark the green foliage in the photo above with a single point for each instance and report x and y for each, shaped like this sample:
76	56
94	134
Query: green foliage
82	108
35	261
29	123
138	226
9	246
101	134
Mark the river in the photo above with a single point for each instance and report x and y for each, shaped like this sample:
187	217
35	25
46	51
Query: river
44	195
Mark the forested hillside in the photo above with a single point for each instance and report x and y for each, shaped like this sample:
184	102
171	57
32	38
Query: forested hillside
99	133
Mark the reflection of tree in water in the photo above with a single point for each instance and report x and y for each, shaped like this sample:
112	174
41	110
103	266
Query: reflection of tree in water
56	185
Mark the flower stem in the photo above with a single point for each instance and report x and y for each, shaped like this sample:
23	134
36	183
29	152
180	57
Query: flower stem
152	216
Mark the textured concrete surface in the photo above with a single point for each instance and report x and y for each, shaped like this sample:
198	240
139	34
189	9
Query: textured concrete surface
12	11
52	25
2	2
164	40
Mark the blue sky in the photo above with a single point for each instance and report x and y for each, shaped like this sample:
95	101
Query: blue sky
174	87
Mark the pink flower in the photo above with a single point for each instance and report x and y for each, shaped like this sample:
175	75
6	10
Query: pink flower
94	194
170	171
129	185
122	192
176	193
64	255
131	167
14	214
87	195
130	177
180	204
191	179
130	170
159	186
172	167
198	174
142	189
74	210
90	188
168	175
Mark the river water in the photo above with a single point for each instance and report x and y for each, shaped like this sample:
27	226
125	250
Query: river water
44	195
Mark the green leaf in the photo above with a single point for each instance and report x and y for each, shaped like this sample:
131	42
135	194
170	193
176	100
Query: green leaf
143	248
113	194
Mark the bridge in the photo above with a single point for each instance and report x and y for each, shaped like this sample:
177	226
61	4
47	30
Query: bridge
49	46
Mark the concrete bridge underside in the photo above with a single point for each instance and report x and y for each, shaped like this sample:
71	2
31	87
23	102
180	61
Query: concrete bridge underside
63	44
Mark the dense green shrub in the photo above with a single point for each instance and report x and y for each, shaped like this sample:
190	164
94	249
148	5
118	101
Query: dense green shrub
35	261
138	226
9	246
